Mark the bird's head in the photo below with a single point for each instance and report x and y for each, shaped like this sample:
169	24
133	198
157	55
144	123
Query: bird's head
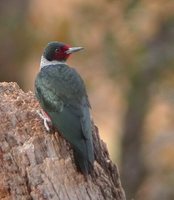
57	51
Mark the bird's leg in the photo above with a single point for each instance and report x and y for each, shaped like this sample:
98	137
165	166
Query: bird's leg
45	118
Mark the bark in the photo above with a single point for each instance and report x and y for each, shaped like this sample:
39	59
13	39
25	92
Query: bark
37	165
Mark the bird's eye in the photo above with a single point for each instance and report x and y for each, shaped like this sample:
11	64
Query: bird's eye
57	50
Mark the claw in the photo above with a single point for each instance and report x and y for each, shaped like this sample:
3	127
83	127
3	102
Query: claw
45	118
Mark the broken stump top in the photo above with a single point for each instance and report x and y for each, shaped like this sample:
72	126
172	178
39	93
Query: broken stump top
37	165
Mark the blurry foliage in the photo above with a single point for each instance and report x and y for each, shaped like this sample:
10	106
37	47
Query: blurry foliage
16	39
130	5
141	65
63	31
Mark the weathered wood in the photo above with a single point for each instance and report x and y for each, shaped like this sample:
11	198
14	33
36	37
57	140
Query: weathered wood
37	165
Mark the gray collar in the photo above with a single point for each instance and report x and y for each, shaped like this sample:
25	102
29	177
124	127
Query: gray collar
44	62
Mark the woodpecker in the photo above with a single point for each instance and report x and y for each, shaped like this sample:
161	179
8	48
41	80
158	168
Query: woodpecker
62	95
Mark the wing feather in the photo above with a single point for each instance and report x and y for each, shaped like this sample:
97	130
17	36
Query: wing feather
62	94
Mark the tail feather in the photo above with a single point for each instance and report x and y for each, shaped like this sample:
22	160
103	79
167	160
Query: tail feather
79	135
82	163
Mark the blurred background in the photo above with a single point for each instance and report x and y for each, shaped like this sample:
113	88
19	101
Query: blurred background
128	67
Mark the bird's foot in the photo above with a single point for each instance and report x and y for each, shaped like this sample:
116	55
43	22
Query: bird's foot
46	119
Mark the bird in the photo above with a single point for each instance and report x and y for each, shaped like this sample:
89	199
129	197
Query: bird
62	94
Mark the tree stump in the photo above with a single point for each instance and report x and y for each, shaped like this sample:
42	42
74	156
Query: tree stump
37	165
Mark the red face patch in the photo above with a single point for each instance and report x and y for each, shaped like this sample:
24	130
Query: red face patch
60	53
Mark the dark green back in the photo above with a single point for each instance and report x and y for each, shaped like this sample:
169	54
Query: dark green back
62	95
